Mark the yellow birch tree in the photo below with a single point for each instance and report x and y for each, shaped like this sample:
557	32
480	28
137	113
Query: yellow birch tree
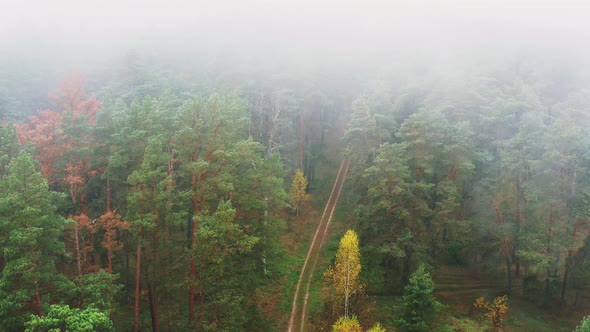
298	194
347	325
343	276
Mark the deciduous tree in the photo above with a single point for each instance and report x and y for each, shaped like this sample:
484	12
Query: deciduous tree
350	324
343	276
298	190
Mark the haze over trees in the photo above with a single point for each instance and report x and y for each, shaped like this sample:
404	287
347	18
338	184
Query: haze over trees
163	168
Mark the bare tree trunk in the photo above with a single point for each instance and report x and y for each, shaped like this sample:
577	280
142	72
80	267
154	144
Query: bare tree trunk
37	294
564	284
193	273
301	136
153	308
109	255
515	258
509	274
77	240
505	245
108	194
201	299
137	283
152	292
546	296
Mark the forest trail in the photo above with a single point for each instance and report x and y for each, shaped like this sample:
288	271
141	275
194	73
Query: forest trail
459	287
298	312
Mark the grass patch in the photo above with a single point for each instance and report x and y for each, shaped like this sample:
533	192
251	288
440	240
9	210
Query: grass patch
463	324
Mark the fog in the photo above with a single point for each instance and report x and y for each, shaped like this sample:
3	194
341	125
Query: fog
76	32
175	128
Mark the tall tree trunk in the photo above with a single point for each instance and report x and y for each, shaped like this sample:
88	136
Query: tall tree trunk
153	308
509	274
109	255
505	245
200	301
137	282
515	258
152	292
77	240
301	136
564	284
570	253
193	273
108	194
571	193
547	295
565	193
347	290
406	268
38	300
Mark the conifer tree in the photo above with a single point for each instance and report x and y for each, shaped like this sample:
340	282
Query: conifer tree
418	303
29	237
63	318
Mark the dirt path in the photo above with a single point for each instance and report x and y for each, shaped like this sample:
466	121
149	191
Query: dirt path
298	313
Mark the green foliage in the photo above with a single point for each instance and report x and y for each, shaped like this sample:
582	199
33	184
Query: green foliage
64	318
486	165
580	274
30	231
99	290
8	145
220	273
584	325
419	305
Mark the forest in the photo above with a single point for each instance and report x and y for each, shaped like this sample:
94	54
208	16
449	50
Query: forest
168	188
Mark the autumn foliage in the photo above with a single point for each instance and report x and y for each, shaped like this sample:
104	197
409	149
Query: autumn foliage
298	190
44	132
72	100
347	325
343	276
494	311
46	129
112	225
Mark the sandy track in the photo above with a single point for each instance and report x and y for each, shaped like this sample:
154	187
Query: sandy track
298	313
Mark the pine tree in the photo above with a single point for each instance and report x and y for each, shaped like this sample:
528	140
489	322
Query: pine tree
584	325
147	197
418	303
8	145
30	231
63	318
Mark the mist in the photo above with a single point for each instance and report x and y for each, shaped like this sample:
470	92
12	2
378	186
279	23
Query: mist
309	32
265	165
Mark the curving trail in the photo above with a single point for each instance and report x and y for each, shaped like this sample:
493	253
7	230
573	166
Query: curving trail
319	238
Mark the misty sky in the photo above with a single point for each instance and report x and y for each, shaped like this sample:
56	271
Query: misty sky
77	28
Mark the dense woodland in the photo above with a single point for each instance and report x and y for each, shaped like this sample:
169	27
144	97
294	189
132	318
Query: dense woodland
152	195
